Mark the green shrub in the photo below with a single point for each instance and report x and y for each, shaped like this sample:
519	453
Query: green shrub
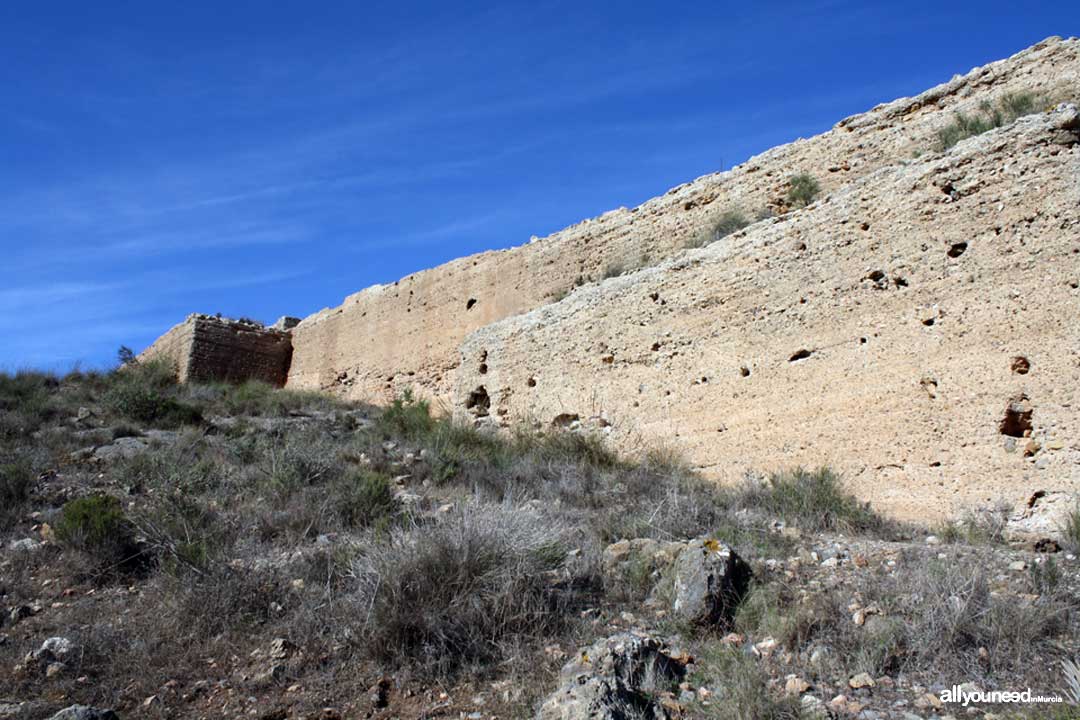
366	500
407	417
25	402
802	190
184	534
145	393
16	482
97	526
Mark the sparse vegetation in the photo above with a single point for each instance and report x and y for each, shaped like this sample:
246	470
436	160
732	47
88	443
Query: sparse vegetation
1071	531
743	688
730	220
803	189
96	525
615	268
463	592
397	541
16	481
145	393
813	501
991	115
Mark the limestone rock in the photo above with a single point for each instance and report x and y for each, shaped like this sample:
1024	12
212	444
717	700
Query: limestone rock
613	674
710	580
1044	516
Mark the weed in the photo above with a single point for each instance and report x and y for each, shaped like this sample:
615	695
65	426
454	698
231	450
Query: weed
729	221
802	190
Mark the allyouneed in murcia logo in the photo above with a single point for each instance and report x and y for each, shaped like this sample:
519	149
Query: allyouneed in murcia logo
968	694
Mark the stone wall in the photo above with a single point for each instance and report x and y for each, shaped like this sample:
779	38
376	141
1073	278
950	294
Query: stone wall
386	338
207	348
917	330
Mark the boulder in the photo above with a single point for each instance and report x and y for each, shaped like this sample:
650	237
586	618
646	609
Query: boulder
616	678
710	580
629	562
1044	516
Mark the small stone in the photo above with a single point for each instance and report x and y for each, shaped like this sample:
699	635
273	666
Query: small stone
1018	566
933	540
862	680
796	685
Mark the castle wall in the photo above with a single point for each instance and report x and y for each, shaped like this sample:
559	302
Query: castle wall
406	335
205	348
916	330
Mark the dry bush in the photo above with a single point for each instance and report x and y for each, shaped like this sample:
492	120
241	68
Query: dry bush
458	594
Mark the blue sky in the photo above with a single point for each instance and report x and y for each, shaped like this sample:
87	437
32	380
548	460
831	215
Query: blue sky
264	159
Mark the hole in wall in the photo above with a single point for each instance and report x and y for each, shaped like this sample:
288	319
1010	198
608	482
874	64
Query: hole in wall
862	341
483	368
478	402
928	322
800	355
1017	419
744	371
1021	365
956	249
531	382
471	302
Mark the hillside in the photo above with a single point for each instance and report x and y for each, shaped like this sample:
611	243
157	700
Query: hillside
231	551
914	270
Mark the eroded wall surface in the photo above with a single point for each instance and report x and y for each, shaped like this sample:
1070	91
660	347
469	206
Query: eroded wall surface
387	338
918	330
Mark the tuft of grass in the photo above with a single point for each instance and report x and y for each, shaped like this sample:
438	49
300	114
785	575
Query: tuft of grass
1008	108
464	592
803	189
1071	530
741	687
729	221
984	527
614	268
812	501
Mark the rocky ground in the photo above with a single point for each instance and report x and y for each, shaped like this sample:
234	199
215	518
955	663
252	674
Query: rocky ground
236	551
